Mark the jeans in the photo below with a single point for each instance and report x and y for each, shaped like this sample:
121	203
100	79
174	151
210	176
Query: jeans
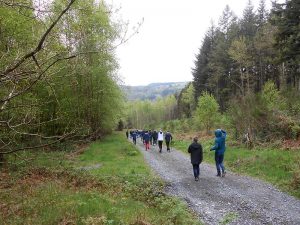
219	163
134	140
196	169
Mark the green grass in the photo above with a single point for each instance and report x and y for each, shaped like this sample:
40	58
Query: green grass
228	218
279	167
116	158
52	190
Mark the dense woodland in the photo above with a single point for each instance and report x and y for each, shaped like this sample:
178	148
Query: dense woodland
58	76
246	79
58	68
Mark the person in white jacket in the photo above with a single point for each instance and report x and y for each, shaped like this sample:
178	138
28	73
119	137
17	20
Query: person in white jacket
160	140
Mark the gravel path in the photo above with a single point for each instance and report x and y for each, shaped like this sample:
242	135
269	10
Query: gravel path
239	199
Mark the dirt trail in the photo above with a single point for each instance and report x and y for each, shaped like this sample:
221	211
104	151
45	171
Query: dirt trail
239	199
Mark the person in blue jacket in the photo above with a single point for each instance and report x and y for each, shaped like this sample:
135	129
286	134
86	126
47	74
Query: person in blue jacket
219	149
146	139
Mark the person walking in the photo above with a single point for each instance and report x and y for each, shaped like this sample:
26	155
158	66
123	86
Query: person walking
127	133
219	149
168	139
134	133
146	139
160	138
150	136
196	151
155	137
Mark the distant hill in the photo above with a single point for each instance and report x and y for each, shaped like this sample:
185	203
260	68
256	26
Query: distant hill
153	90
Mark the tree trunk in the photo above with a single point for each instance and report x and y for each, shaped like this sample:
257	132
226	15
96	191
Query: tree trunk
242	86
1	160
282	78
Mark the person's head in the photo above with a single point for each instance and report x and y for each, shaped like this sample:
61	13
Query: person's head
195	139
218	133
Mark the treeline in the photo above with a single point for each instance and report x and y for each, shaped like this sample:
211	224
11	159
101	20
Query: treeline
246	77
57	72
147	114
240	55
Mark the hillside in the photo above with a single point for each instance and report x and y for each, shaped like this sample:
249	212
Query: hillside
153	90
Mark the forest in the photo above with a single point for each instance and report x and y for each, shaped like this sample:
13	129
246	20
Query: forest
59	79
246	78
64	156
58	73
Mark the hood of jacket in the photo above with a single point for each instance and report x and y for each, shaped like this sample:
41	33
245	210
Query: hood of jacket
218	133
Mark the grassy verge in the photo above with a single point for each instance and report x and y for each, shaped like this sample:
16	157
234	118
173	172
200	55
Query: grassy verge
108	183
277	166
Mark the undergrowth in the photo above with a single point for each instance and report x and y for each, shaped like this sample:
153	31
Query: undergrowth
57	188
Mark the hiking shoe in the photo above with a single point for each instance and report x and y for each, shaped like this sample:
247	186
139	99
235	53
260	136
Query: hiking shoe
196	178
218	175
223	174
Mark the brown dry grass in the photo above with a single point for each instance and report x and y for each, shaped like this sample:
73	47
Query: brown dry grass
291	144
188	136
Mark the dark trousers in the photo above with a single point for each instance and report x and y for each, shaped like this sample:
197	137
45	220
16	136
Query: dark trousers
134	140
160	145
196	169
219	158
168	145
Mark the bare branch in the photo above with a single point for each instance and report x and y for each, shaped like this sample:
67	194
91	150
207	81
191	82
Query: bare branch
19	5
40	44
36	80
38	146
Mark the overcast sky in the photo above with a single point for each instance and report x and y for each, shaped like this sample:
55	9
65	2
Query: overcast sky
170	37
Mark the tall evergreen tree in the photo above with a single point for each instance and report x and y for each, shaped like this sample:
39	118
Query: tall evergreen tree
201	70
220	63
262	16
249	21
286	18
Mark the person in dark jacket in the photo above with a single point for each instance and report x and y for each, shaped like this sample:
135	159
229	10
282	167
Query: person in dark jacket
134	133
154	136
168	139
127	133
150	135
196	151
146	139
219	149
142	136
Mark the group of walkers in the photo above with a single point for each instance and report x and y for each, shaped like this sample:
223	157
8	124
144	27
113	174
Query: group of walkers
195	149
149	137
